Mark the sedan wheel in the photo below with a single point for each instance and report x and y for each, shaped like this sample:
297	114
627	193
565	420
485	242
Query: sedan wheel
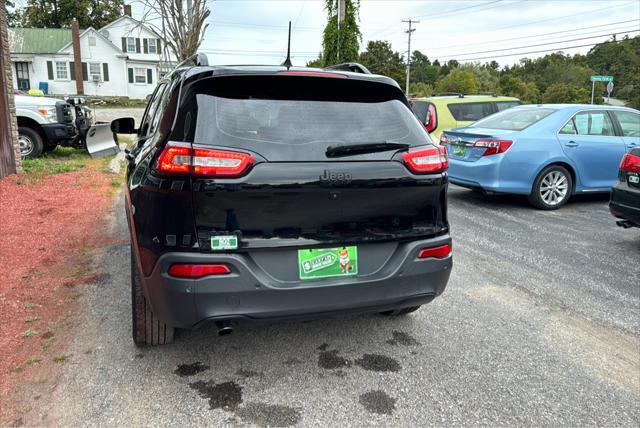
552	188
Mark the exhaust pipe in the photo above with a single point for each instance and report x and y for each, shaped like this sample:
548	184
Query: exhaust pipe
624	223
224	328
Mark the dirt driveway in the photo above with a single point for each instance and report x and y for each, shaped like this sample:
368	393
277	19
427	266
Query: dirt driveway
539	325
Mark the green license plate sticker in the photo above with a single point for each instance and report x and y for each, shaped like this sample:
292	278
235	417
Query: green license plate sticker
459	150
328	262
224	242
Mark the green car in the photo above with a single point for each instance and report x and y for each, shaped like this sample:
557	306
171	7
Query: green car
444	112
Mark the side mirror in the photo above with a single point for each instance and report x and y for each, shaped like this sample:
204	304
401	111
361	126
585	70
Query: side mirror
124	125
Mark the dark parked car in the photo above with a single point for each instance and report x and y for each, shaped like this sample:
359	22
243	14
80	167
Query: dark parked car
267	193
625	195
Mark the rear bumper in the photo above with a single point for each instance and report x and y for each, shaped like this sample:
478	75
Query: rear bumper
488	173
250	293
625	203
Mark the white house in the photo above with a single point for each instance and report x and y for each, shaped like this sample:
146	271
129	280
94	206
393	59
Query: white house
123	58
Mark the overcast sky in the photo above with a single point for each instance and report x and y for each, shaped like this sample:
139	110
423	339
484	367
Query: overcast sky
255	31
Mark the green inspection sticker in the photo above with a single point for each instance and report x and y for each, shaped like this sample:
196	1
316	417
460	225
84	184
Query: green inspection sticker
328	262
224	242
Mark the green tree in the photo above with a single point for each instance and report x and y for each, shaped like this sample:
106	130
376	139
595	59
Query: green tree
515	87
341	45
14	16
422	70
566	93
60	13
486	77
317	63
421	89
379	58
458	80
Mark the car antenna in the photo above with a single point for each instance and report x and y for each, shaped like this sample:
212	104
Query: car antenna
287	62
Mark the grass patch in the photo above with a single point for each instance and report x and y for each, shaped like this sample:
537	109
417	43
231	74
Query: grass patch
31	319
33	360
29	333
16	369
59	161
31	306
46	343
62	358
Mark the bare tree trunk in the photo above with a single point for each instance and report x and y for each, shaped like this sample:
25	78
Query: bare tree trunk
185	26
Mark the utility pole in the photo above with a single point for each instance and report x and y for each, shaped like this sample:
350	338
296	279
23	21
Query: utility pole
409	31
341	13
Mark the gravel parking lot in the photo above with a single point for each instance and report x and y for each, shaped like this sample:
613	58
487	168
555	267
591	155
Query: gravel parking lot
540	325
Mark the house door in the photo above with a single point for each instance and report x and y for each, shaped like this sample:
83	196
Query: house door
22	75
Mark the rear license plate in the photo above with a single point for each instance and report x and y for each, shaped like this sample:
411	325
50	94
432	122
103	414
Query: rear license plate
459	151
327	262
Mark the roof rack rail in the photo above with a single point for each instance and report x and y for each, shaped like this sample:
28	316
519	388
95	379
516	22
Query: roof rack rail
199	59
461	95
354	67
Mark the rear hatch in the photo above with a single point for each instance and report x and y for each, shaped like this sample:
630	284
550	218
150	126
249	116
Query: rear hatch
325	169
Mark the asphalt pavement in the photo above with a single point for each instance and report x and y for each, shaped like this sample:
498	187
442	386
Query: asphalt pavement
540	325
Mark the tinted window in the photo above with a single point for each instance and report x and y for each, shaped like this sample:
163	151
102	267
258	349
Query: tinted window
592	123
629	122
515	119
470	112
148	121
420	109
503	105
285	118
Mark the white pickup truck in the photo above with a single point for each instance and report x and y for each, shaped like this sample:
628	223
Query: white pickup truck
44	123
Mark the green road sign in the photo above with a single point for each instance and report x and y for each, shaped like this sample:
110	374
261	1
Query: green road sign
602	78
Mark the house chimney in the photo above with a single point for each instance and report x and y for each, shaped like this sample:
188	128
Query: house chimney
77	57
127	9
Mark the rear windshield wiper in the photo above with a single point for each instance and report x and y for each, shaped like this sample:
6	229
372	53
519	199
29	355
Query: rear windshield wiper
358	149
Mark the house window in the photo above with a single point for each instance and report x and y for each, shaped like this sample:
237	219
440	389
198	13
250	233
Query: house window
92	41
95	74
62	72
153	47
140	75
131	44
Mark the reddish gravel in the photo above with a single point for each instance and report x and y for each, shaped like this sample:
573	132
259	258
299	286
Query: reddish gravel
48	230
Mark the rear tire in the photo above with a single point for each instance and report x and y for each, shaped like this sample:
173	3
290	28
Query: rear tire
30	142
147	329
552	188
400	312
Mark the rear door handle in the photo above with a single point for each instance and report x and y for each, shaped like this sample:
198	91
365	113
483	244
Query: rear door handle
571	144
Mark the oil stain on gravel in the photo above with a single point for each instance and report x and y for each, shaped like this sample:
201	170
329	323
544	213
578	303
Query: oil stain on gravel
184	370
402	338
331	360
263	414
378	402
246	373
378	363
226	396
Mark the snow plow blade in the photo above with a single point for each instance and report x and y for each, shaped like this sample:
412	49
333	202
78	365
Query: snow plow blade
100	141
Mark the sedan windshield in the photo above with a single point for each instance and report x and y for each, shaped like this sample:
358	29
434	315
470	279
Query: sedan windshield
514	119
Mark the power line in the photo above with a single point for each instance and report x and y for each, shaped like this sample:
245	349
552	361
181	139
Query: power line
538	51
545	44
556	18
535	35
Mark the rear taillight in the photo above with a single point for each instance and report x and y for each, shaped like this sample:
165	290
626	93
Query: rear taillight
493	147
630	163
444	139
427	161
197	271
432	119
439	252
180	158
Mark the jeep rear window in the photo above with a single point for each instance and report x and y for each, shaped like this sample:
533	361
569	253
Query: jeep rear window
470	112
295	118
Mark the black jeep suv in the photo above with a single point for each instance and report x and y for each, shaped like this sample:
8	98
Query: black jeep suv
263	193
